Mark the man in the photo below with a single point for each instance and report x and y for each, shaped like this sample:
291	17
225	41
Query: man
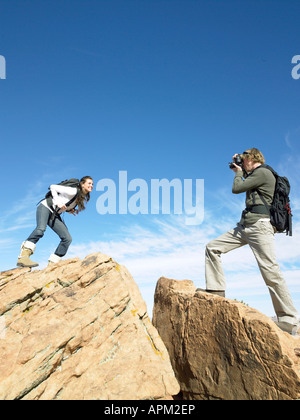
255	230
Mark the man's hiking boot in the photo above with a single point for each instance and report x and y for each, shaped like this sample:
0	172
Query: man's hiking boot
213	292
291	329
27	249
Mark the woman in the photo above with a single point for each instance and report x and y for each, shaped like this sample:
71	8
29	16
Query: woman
61	199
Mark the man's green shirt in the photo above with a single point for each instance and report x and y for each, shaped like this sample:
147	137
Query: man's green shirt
260	179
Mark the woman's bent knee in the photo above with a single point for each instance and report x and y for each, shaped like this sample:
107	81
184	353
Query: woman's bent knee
38	233
68	240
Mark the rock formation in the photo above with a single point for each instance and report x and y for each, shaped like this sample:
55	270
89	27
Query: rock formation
79	330
221	349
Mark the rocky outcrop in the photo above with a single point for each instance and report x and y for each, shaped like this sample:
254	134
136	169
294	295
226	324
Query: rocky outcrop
79	330
223	350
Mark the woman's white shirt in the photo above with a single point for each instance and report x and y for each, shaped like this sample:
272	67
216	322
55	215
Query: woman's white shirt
61	196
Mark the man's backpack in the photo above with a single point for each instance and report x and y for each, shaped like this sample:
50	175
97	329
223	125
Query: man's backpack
280	209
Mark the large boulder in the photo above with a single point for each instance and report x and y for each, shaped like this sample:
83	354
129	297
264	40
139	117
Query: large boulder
79	330
221	349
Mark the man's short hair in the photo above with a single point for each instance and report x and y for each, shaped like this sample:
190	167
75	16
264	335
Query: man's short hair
254	155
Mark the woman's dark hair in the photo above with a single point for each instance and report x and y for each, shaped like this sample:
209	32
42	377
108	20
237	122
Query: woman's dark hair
83	198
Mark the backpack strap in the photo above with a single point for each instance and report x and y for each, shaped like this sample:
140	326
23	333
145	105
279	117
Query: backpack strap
55	213
259	208
267	206
72	200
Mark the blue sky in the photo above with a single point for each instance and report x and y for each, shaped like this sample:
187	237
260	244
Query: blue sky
160	89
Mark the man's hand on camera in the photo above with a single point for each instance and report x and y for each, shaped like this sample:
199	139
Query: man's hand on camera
236	167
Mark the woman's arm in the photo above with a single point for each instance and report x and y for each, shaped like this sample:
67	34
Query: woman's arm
61	195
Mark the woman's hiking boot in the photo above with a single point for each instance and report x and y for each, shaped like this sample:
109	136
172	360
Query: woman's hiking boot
27	249
53	259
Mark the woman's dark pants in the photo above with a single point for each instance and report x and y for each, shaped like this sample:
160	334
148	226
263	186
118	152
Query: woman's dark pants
44	218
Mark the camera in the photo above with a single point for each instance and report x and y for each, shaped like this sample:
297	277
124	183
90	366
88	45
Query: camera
238	160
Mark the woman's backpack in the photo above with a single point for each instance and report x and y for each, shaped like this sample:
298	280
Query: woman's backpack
73	182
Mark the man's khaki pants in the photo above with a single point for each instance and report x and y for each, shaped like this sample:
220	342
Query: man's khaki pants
260	238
